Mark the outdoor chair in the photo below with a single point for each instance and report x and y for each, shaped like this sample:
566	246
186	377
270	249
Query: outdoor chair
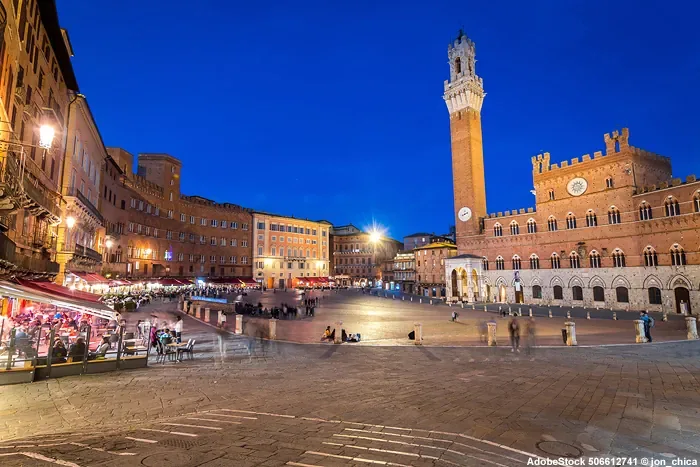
188	349
163	352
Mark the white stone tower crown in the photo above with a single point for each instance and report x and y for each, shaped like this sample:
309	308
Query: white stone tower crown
464	90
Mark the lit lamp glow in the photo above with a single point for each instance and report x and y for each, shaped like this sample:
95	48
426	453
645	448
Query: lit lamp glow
70	222
148	251
46	134
375	236
109	243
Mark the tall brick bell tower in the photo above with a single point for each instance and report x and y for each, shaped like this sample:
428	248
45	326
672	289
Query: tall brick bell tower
464	95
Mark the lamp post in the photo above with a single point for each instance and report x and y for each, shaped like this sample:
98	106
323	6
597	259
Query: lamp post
108	244
374	238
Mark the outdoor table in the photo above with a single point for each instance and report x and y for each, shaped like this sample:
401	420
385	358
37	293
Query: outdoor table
176	346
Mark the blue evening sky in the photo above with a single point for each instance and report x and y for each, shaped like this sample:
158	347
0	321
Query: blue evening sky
333	109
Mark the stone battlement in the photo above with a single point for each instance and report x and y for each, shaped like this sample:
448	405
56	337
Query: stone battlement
139	183
616	142
514	212
667	184
213	204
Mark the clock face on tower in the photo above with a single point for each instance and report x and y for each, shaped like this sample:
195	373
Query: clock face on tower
464	214
577	186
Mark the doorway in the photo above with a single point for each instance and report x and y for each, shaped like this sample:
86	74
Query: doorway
682	294
281	286
502	293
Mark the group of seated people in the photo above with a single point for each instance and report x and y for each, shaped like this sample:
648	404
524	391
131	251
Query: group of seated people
329	335
77	350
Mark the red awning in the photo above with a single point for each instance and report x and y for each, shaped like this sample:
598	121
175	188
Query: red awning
248	281
171	281
55	289
119	282
91	278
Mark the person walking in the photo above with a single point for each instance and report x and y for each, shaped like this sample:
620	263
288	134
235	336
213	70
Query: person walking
514	331
648	324
531	332
178	329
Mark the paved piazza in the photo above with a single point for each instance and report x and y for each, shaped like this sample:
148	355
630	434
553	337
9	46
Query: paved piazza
387	321
326	405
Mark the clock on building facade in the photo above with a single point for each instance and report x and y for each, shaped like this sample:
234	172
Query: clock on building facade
577	186
464	214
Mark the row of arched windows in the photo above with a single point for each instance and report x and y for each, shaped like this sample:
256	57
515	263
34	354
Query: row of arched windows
677	253
621	294
671	209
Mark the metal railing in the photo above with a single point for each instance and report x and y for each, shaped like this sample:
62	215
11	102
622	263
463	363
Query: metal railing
83	251
75	192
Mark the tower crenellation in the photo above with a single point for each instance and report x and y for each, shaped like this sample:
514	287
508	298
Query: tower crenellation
464	90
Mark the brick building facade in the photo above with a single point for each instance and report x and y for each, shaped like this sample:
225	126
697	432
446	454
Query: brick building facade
287	249
357	261
612	230
430	267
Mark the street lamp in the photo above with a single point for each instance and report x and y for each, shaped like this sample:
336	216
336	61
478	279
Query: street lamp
109	243
70	222
46	135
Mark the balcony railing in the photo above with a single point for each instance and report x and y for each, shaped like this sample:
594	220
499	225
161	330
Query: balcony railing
83	251
75	192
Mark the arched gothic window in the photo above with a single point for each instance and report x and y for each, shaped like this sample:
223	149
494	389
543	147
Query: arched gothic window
672	207
645	213
514	228
497	230
552	224
534	261
570	221
516	262
650	257
591	219
677	255
594	258
613	215
531	226
618	258
555	260
500	263
574	260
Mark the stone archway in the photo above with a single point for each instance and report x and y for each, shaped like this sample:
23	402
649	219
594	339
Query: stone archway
682	296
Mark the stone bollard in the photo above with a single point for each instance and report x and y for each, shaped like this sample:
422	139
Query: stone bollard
418	333
485	310
273	328
530	312
338	332
492	333
239	324
520	311
615	315
420	300
588	315
568	315
222	318
393	297
198	311
640	335
510	313
692	325
665	317
411	298
570	333
550	313
431	302
207	314
462	304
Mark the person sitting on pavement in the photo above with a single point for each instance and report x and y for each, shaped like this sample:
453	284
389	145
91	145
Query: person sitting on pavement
326	333
77	350
343	335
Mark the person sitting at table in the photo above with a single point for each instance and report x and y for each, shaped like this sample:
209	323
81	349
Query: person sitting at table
59	352
165	338
77	350
101	350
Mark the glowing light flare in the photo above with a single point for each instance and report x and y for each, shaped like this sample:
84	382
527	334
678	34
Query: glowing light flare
109	243
46	135
70	222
